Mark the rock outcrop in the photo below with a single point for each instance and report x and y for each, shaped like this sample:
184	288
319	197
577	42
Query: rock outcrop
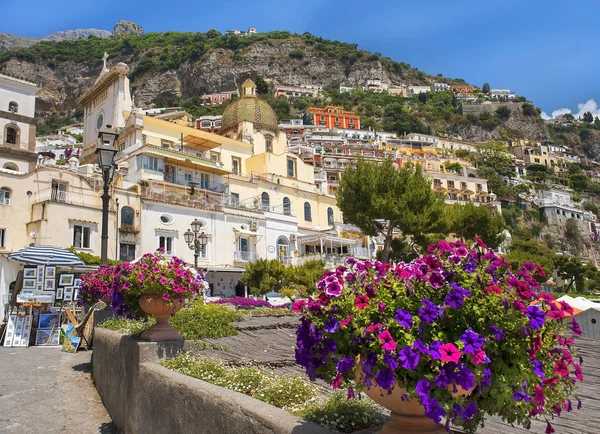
76	34
127	28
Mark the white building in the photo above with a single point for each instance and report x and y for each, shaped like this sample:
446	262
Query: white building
502	93
344	89
439	87
209	123
17	124
415	90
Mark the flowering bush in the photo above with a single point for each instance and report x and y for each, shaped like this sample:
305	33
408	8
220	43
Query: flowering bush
125	283
246	303
456	317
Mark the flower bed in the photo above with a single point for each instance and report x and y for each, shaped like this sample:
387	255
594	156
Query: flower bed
293	394
247	303
454	318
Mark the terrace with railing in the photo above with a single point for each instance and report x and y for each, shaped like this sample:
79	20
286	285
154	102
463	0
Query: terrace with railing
77	198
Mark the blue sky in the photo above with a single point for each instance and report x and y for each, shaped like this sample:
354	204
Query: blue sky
546	50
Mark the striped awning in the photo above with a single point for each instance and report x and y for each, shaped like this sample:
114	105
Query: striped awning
46	255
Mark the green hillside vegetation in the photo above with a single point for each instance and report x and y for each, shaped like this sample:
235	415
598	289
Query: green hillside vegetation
156	52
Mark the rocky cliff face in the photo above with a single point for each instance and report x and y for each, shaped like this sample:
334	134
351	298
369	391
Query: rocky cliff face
517	125
127	28
76	34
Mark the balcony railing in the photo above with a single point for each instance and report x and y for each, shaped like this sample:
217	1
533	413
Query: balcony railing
69	197
240	256
201	201
199	183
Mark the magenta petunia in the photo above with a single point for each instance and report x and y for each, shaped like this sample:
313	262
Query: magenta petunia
449	353
388	343
361	302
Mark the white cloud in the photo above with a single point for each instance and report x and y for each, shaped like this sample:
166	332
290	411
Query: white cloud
589	106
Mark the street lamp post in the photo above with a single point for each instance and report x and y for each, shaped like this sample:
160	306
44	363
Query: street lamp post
106	152
196	240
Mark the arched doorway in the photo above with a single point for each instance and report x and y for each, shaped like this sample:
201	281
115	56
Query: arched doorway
283	247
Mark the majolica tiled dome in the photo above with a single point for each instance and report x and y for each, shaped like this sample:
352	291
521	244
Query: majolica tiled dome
249	108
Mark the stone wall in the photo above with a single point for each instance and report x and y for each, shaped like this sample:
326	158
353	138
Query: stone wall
143	397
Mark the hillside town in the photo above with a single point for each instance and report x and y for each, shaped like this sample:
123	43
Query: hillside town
209	199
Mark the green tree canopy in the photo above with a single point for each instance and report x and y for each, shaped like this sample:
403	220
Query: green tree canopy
470	221
378	198
485	88
263	276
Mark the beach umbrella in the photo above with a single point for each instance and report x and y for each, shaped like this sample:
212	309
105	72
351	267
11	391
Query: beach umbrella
45	255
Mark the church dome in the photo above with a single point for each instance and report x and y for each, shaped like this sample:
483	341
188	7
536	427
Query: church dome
249	108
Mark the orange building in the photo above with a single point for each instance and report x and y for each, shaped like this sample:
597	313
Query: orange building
334	117
464	89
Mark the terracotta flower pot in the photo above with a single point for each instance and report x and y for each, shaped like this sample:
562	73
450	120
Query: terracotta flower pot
162	311
408	417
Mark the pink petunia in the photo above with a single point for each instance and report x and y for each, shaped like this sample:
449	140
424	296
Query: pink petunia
165	297
346	321
361	302
480	357
539	395
493	289
298	305
388	343
337	381
449	353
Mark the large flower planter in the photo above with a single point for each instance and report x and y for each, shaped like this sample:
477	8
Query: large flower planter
153	304
408	417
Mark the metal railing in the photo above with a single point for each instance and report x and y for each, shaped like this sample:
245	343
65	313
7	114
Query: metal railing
199	183
241	256
68	197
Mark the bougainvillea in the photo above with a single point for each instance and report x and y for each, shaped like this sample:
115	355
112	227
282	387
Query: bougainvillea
454	317
122	285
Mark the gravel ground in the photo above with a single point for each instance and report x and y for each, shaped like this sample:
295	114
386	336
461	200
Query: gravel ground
44	390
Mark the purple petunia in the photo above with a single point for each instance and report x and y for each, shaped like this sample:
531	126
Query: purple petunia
390	360
456	297
420	347
466	412
345	364
433	410
538	369
464	377
331	325
409	359
520	395
434	350
404	318
429	312
486	379
472	341
536	316
423	388
498	333
385	379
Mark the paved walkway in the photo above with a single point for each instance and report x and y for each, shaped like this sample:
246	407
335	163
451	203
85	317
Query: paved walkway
44	390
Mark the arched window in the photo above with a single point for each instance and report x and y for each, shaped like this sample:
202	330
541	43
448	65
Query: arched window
307	213
11	166
265	201
13	107
330	216
11	134
287	206
127	215
4	196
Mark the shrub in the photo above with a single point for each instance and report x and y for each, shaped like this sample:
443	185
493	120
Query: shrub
296	54
342	414
202	321
289	393
245	303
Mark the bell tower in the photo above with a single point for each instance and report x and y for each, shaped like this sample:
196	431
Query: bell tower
107	102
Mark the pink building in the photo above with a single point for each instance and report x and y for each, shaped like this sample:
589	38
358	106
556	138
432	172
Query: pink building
218	98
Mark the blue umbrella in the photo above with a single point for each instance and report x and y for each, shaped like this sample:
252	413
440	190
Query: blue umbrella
46	255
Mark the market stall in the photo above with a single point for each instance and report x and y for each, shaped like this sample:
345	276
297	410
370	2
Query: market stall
45	286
